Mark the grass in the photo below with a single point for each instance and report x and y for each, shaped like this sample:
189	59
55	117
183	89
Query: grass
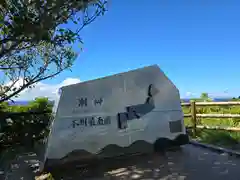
222	138
224	122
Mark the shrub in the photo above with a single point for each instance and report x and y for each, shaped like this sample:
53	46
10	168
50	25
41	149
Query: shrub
24	125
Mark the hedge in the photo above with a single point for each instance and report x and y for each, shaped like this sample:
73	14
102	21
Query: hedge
24	125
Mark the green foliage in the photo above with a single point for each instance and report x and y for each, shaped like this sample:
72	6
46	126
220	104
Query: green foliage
20	127
222	138
36	43
26	23
226	109
204	96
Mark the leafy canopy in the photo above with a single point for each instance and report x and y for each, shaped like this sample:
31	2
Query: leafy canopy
35	42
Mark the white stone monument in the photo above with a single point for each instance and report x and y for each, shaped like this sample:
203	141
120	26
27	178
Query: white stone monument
133	112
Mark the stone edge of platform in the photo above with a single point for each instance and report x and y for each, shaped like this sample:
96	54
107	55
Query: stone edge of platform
215	148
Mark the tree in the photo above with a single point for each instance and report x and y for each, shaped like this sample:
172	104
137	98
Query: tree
36	41
204	96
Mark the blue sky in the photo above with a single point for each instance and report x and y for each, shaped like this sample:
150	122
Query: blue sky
196	43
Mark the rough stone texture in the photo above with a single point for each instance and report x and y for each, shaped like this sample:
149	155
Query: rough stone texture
118	109
111	150
189	163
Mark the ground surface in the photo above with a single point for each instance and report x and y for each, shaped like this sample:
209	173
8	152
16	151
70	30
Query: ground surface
189	163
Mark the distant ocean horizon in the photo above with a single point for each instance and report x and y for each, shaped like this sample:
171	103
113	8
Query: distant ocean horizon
213	99
12	103
184	100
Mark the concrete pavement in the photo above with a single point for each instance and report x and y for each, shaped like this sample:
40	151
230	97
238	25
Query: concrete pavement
189	163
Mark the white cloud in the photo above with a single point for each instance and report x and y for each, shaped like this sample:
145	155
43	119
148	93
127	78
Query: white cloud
44	89
188	95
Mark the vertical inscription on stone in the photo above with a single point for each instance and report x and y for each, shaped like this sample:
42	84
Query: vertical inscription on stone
82	102
98	102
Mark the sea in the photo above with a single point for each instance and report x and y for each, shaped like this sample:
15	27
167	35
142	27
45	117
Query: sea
213	99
